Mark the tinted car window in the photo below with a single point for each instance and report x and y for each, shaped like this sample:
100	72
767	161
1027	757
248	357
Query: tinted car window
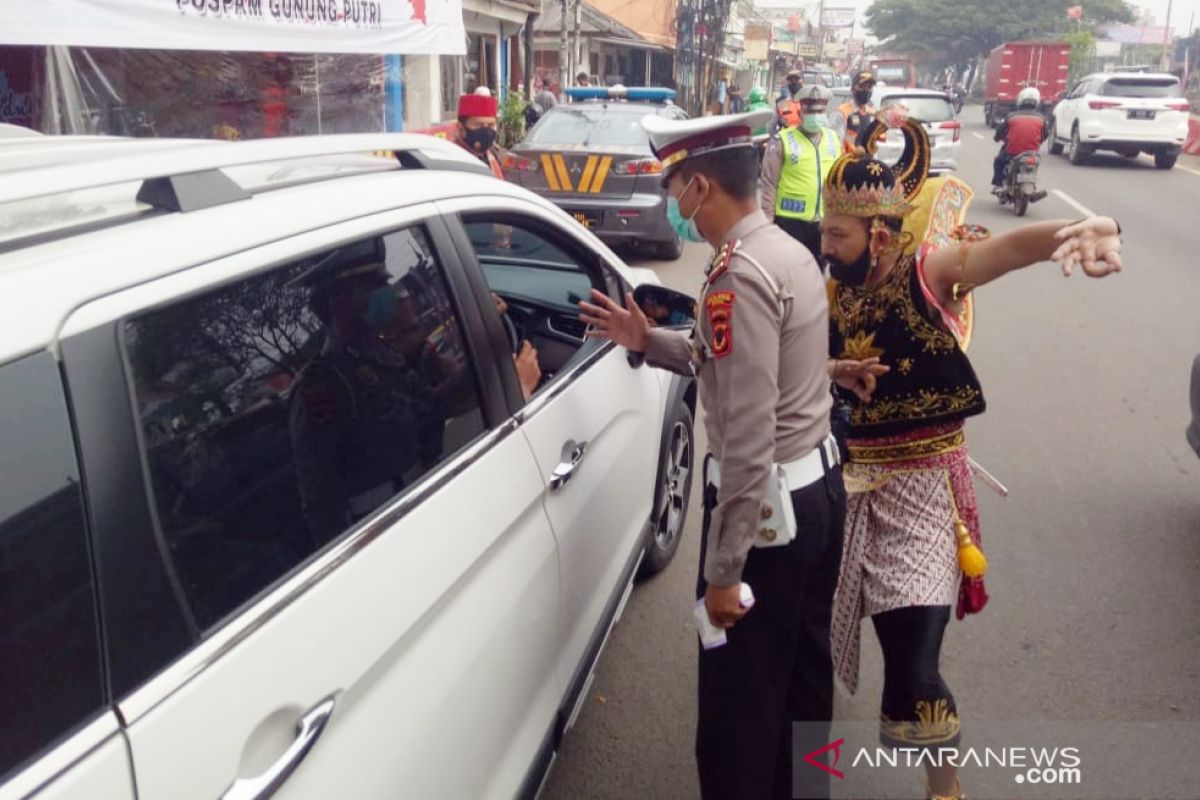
527	265
600	126
280	411
50	675
926	109
1142	87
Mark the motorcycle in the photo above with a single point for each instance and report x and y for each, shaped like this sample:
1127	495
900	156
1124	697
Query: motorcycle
1020	182
958	96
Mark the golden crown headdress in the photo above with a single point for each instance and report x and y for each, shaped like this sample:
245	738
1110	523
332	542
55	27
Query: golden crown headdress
863	186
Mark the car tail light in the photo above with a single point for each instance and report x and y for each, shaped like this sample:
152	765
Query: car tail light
952	125
520	164
645	166
1099	105
1179	105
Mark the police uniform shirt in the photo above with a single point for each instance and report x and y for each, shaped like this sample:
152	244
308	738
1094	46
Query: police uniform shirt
763	381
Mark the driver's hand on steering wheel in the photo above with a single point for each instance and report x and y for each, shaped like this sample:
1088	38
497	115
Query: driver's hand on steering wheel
501	306
529	373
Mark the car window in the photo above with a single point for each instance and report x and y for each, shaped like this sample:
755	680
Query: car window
1142	87
596	125
50	674
279	411
541	274
926	109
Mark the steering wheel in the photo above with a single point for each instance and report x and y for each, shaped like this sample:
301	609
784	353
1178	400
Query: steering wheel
514	339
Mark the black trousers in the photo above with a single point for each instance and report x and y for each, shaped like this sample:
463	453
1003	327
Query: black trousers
806	233
998	165
776	668
913	689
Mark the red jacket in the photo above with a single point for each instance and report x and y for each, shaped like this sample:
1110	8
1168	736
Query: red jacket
1022	131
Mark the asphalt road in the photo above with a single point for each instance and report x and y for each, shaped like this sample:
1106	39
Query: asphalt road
1095	555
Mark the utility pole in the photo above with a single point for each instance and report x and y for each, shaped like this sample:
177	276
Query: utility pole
821	32
578	60
564	51
1166	38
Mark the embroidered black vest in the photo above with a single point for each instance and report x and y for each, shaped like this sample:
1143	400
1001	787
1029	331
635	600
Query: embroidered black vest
931	380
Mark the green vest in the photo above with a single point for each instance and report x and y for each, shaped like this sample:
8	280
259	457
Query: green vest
805	167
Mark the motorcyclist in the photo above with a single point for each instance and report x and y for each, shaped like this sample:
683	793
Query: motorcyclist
1023	131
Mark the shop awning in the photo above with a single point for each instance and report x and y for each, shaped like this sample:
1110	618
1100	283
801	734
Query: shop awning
283	26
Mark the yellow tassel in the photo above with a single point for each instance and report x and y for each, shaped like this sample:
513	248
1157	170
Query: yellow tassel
970	558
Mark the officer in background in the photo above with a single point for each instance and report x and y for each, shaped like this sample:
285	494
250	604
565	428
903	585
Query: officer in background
787	107
856	113
364	417
764	385
794	169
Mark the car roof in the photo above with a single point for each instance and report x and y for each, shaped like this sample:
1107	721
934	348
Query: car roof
619	104
1150	76
45	278
892	91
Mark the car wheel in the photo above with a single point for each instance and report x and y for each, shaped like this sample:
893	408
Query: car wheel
1165	160
675	488
1076	154
1056	147
669	250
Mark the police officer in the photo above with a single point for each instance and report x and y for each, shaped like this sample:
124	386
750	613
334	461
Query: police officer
856	113
758	352
794	169
787	106
363	417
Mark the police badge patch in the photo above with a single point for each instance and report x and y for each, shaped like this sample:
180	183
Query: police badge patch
719	306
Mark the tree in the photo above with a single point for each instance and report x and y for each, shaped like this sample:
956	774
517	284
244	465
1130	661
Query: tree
946	32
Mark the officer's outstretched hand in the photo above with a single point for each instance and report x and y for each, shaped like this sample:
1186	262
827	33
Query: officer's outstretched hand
724	605
606	319
859	376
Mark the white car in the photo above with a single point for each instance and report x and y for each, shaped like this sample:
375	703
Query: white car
276	515
935	110
1128	113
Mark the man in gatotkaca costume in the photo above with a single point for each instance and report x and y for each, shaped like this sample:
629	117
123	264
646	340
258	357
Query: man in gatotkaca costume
912	533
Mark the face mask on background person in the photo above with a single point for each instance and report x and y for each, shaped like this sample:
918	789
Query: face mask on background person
481	139
814	122
862	96
685	228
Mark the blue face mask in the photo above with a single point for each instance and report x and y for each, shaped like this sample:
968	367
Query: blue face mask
814	122
381	308
684	228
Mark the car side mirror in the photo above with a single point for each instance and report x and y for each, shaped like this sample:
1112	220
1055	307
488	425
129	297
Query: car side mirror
665	308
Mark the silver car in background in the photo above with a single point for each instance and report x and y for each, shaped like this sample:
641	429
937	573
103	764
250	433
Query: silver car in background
936	112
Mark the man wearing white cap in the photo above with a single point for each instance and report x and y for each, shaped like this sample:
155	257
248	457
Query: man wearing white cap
758	350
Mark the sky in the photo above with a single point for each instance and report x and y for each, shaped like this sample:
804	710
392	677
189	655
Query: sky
1180	13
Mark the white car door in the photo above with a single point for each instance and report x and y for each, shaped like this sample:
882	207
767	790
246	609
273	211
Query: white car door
357	537
594	425
59	739
1067	112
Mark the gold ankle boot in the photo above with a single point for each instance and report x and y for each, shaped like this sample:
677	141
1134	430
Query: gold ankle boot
958	795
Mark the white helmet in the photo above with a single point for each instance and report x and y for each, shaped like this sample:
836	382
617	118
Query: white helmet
1029	96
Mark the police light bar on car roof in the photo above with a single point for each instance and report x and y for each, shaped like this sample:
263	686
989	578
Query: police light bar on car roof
651	94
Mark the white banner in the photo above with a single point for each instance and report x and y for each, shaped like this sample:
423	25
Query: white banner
837	17
284	26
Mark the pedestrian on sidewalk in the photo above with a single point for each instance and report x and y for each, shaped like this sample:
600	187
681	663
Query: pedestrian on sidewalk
912	548
794	168
758	353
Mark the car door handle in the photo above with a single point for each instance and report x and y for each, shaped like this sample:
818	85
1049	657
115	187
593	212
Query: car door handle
308	729
573	454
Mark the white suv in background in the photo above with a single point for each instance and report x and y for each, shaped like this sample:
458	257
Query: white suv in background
1126	112
276	514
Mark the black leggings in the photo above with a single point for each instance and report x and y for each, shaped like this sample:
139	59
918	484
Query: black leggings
918	709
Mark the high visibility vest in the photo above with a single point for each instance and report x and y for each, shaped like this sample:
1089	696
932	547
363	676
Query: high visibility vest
805	168
855	120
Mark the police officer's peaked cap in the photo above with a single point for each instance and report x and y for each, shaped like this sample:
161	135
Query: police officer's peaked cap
814	96
359	258
676	140
795	73
864	78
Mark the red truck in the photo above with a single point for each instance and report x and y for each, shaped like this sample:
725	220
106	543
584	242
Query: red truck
1014	65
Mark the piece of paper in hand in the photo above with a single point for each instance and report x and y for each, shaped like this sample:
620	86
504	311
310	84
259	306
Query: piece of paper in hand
710	635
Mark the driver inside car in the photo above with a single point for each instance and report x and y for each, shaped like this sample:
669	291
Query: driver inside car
525	359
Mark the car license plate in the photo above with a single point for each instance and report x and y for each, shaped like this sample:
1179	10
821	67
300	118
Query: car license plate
1141	113
584	219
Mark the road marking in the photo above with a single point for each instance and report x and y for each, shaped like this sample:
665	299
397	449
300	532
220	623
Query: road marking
1075	204
978	135
1188	169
